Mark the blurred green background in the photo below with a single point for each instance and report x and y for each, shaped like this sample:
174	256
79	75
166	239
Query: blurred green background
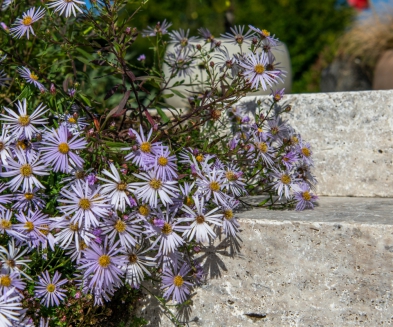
308	27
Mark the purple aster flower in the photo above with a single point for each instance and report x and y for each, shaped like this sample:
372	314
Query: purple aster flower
238	37
234	182
84	205
66	7
304	151
12	259
101	266
29	200
264	35
256	71
10	308
58	150
146	149
277	128
198	274
211	184
8	227
277	94
49	290
142	57
154	187
303	196
22	124
160	29
30	77
75	124
230	224
264	151
289	159
164	164
9	281
181	39
92	179
175	284
135	266
283	182
199	228
23	26
180	62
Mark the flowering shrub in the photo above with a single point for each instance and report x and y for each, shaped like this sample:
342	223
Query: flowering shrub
94	201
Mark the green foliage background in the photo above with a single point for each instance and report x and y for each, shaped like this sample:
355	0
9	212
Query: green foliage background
308	27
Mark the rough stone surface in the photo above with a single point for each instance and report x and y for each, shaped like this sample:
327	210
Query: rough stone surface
351	137
308	269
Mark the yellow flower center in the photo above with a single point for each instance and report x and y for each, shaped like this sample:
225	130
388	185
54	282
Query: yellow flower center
162	161
51	288
80	174
200	219
294	140
155	184
199	158
29	196
167	229
189	201
259	68
306	196
27	21
274	130
85	204
44	229
72	120
33	76
74	227
63	148
214	186
228	214
144	210
21	144
120	226
262	146
5	281
121	186
231	176
2	146
132	258
24	120
5	224
277	97
146	147
29	226
265	33
285	179
260	130
306	152
26	170
83	245
178	281
104	261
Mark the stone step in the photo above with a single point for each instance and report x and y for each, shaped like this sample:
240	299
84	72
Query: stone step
332	266
351	136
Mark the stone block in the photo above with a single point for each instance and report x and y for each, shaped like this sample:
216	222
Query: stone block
351	134
328	267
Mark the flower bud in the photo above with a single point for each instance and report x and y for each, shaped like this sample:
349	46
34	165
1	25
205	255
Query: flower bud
131	134
52	89
127	31
211	64
199	47
288	108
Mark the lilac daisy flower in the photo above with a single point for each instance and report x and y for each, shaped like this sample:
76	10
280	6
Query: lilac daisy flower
278	94
101	265
199	228
264	151
238	37
283	182
289	159
181	39
66	6
212	185
230	225
10	308
35	226
154	187
7	226
74	123
180	62
30	77
12	259
255	71
164	164
234	182
175	284
303	196
9	281
23	25
135	265
29	200
22	124
160	29
49	290
84	205
167	237
304	151
58	150
24	171
264	35
146	148
116	189
277	128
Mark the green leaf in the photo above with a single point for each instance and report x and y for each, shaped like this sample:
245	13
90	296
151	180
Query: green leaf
163	115
178	94
85	99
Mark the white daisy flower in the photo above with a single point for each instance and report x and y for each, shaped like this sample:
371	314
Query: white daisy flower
10	308
66	6
30	77
257	72
12	259
23	25
199	228
24	171
116	189
84	205
22	124
212	185
152	187
135	265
